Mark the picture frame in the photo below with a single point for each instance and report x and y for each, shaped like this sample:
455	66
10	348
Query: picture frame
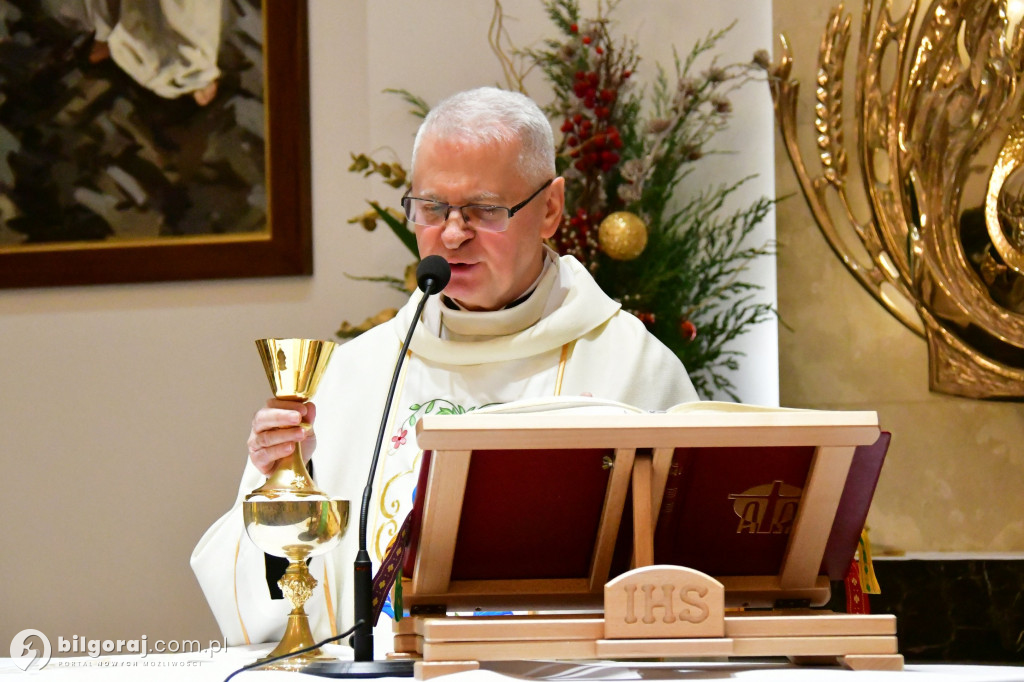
284	248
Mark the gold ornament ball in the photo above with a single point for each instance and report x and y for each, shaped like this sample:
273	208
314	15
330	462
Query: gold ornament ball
622	235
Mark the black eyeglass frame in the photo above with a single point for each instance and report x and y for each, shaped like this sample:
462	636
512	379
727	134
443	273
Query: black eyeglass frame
448	208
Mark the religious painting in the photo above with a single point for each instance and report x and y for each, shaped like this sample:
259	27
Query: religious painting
153	141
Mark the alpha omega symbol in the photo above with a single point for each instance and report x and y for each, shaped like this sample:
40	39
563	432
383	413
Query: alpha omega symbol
767	509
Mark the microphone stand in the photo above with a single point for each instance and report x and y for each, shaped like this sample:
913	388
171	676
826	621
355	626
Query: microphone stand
432	276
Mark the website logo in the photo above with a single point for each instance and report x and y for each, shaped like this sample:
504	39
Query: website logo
26	656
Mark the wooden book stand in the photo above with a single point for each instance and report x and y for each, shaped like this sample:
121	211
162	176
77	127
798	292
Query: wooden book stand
738	521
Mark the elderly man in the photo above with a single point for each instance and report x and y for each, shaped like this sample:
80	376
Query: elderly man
515	321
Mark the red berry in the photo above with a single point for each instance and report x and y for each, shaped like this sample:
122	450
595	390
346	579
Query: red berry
574	29
567	126
599	50
586	40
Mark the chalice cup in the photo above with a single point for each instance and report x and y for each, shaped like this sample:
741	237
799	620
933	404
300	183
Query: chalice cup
288	516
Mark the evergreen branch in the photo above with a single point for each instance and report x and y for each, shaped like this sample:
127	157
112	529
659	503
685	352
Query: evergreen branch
393	282
420	108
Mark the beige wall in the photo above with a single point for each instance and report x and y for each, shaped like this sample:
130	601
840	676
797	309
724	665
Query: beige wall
124	409
955	471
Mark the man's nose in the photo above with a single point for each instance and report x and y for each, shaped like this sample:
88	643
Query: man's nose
455	231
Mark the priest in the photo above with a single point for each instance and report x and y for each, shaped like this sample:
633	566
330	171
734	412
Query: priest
515	321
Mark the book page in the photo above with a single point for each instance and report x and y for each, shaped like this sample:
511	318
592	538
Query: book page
721	406
579	404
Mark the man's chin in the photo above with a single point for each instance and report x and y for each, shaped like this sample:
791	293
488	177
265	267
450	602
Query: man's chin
463	287
468	298
467	302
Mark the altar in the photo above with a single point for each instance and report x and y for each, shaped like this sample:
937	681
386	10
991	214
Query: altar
206	667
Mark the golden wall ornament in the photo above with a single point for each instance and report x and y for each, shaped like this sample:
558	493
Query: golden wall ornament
940	149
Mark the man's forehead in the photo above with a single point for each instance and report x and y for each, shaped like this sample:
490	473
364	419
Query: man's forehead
477	169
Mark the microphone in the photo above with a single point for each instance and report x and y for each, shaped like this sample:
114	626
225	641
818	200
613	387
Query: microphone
432	275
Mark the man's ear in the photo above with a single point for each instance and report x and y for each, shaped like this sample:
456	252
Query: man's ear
553	208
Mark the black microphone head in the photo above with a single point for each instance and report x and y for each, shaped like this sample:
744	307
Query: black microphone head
432	274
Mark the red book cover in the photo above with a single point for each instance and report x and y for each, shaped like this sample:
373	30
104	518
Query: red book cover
730	511
526	514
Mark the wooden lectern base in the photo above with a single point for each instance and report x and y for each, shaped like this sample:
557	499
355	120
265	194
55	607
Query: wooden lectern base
449	644
653	612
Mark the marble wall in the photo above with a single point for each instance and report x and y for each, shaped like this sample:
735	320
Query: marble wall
955	470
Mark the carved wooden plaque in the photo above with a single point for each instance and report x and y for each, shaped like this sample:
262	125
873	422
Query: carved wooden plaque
664	602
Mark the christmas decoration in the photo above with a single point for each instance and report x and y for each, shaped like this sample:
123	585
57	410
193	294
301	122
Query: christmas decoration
648	318
675	261
622	235
688	330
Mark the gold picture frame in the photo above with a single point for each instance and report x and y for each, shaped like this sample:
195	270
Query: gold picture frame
283	248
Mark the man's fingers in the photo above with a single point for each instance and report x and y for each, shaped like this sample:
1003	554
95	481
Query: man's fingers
260	440
265	459
270	418
275	430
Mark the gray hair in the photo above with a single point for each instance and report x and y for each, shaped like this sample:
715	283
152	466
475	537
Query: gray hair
491	115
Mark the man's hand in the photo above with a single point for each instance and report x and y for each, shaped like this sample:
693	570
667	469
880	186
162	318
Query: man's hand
275	431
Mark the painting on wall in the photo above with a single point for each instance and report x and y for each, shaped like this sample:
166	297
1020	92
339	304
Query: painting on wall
153	141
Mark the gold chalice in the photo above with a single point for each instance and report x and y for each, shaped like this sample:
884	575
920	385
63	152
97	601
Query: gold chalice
287	516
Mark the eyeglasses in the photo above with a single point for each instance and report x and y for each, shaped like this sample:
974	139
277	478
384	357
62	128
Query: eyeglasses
430	213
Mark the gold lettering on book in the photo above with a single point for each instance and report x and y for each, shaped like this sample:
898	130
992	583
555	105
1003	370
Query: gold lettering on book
768	509
664	601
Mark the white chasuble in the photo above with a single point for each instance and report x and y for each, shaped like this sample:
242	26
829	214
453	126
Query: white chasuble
566	338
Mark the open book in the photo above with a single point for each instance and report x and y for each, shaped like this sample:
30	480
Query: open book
589	405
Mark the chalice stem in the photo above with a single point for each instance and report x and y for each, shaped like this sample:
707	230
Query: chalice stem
295	461
290	475
297	584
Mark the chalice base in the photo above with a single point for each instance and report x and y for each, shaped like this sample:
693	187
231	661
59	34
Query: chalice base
297	636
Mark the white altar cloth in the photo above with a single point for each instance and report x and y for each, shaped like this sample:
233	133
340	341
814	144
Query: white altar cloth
205	667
